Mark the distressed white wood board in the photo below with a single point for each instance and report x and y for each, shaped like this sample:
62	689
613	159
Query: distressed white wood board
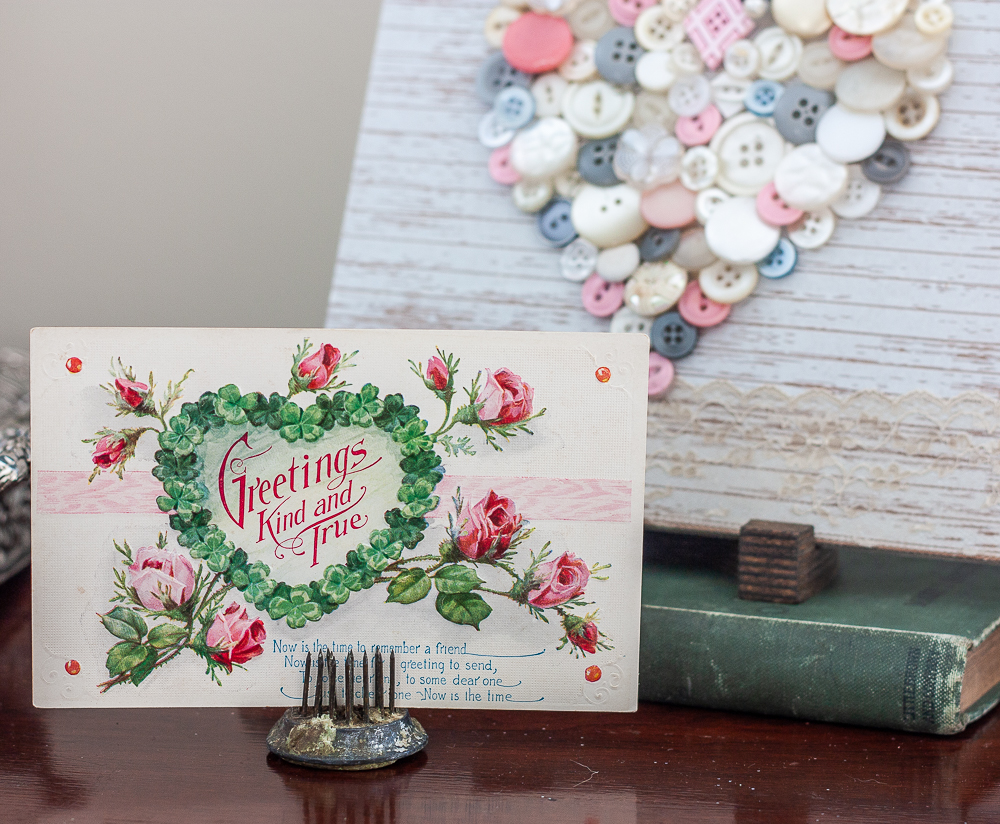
861	394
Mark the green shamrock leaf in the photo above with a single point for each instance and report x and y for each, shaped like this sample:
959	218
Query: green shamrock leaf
333	586
408	531
180	467
383	541
296	609
412	439
334	409
184	498
182	436
193	528
394	413
215	550
297	423
202	414
266	411
231	406
422	466
363	408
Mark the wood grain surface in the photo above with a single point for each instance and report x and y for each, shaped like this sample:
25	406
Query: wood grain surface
879	358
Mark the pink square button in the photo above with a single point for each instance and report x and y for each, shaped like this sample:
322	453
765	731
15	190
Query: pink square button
714	25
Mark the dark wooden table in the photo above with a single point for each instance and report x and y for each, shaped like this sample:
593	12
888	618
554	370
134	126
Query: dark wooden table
662	764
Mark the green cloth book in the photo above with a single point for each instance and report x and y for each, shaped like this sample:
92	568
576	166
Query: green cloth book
897	641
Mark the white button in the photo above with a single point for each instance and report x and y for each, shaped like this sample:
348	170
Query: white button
934	18
590	20
597	109
618	263
647	157
749	150
726	282
625	320
568	183
654	71
656	31
707	202
780	53
906	47
548	90
677	10
742	60
690	95
653	110
580	64
699	166
608	216
578	260
692	253
865	16
728	93
818	67
736	233
806	18
496	24
848	136
807	179
559	7
491	133
544	149
860	197
813	229
913	116
655	288
531	195
686	59
756	8
933	78
868	86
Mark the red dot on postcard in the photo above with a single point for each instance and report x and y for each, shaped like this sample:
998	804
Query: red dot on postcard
74	365
73	667
603	374
592	673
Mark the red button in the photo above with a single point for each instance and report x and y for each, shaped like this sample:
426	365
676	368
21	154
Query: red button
668	207
700	311
537	43
773	210
661	373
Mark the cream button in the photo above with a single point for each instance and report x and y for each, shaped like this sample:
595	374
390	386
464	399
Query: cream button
653	110
568	183
932	18
656	31
692	252
548	90
749	150
699	167
726	282
496	24
819	67
544	149
780	53
647	157
590	20
806	18
618	263
654	71
807	179
655	288
578	260
677	10
868	86
742	59
865	16
580	64
690	95
914	115
813	229
686	59
625	320
906	47
597	109
707	202
607	216
531	195
848	136
728	93
735	233
860	197
933	78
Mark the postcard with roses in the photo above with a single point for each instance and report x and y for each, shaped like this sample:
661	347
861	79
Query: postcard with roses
210	505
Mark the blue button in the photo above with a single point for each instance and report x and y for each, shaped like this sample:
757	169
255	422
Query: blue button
515	107
497	74
555	224
762	97
781	261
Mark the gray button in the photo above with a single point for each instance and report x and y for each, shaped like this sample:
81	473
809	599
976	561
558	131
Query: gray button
658	244
798	110
497	74
555	224
889	164
672	336
616	54
594	161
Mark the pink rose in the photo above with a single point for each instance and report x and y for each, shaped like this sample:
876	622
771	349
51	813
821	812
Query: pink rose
161	578
108	450
585	637
132	392
505	398
559	581
489	529
437	372
238	638
319	366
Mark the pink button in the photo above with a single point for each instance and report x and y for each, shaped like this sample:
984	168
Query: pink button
600	298
536	43
698	310
849	47
773	210
668	207
626	12
698	130
500	167
661	373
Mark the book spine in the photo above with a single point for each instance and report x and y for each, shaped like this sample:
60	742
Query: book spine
824	672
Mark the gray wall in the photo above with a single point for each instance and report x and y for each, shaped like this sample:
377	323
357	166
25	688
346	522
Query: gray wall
175	163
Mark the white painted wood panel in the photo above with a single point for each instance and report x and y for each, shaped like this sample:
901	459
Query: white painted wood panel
861	394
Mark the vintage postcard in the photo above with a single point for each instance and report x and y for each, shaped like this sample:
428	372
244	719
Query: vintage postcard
210	505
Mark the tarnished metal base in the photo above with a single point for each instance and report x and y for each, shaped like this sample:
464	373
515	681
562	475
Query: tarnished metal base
330	744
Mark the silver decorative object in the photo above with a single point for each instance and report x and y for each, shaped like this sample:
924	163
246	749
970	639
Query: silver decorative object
15	455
